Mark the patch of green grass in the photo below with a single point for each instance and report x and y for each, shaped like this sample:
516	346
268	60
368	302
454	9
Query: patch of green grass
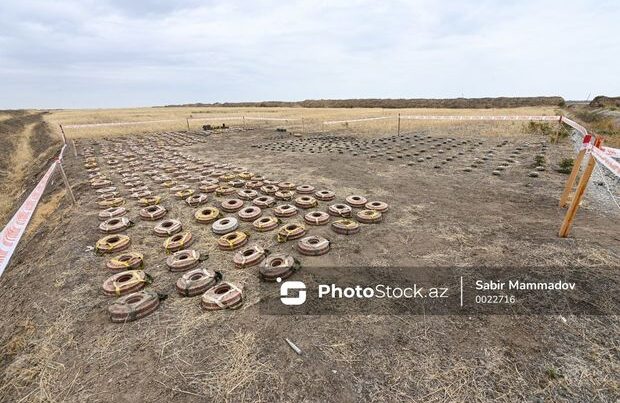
539	128
539	160
553	132
553	373
566	165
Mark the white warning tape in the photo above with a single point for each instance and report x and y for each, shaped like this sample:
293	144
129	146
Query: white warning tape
609	151
612	152
608	162
449	117
12	233
479	117
218	118
263	118
574	125
334	122
144	122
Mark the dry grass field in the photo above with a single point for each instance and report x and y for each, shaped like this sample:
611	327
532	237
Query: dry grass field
312	119
58	344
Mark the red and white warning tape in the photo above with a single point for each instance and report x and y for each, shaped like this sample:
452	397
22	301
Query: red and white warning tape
449	117
574	125
334	122
479	117
603	155
12	233
607	161
145	122
244	117
276	119
586	143
612	152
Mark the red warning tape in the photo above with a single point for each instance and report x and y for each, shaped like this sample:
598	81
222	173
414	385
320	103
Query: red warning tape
604	159
12	233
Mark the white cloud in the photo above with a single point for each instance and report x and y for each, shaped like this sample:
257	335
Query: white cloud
71	53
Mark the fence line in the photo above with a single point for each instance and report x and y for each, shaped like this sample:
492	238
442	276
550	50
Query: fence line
78	126
143	122
334	122
14	230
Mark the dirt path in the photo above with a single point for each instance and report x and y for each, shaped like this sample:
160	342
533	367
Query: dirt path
26	148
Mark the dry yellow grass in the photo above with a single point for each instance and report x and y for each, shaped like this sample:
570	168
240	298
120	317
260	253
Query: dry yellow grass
44	211
20	158
313	119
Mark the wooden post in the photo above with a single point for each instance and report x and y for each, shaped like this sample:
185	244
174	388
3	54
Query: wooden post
399	124
62	132
64	178
579	192
187	120
74	149
557	135
243	117
574	172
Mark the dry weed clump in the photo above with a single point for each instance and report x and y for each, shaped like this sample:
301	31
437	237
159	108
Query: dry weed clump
33	374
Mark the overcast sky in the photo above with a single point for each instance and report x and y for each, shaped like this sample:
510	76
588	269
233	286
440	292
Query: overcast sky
118	53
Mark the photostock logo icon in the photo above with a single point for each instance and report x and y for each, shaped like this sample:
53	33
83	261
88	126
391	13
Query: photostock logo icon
292	286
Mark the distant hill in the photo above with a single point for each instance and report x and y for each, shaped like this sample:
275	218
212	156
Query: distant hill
605	102
478	103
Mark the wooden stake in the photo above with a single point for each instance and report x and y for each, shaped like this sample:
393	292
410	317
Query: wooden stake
62	132
574	172
579	192
74	149
571	178
557	134
399	124
64	178
243	122
187	120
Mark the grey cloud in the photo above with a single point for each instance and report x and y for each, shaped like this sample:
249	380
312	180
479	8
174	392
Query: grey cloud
116	53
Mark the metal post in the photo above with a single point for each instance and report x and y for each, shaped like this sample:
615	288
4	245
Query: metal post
64	178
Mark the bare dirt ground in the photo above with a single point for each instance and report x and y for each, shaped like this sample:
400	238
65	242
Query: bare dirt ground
57	343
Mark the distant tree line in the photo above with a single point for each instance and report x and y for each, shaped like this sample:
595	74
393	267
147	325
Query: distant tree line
478	103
